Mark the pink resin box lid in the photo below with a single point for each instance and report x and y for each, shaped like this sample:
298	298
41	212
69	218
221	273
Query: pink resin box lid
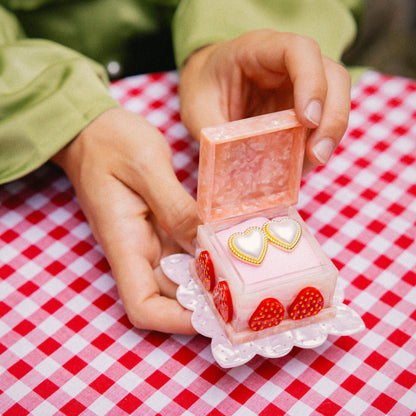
250	166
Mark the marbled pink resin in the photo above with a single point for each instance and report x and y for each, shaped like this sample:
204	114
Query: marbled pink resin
250	165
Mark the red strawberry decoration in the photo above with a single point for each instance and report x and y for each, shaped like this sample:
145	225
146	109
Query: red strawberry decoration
205	270
223	301
308	302
269	313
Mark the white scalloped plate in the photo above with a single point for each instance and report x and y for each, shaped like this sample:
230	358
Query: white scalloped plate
176	267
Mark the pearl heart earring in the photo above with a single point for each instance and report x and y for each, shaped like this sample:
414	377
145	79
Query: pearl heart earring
284	233
249	246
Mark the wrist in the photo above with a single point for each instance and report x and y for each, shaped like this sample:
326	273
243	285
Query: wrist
69	157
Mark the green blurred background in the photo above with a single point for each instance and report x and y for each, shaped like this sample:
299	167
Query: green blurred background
387	41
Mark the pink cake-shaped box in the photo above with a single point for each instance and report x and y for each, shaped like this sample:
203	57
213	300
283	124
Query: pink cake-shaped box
261	270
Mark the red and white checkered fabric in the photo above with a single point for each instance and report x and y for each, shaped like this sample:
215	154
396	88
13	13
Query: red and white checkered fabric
67	348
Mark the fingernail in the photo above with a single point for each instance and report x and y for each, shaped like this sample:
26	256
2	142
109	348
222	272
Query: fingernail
313	112
323	150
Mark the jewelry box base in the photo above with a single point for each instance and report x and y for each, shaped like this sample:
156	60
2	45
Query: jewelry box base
189	295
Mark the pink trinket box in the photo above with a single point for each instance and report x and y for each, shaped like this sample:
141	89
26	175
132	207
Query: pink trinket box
258	266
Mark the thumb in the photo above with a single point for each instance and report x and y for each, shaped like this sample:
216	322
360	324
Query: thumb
200	92
174	209
145	166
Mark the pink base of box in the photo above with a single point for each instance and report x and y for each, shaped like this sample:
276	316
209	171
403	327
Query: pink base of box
190	296
282	275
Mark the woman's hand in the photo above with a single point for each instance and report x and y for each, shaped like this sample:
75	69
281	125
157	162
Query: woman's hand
265	71
121	169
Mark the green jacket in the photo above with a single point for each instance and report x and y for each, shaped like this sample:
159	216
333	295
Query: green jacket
54	55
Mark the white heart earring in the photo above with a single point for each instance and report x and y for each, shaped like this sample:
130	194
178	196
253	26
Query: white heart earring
284	233
249	246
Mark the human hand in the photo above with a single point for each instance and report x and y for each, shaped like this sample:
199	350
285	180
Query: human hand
265	71
121	169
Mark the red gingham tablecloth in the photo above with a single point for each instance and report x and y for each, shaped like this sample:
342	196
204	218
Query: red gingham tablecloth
67	348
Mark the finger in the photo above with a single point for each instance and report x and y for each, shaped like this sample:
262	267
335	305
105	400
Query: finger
209	97
164	315
169	246
278	56
324	140
144	305
148	170
166	286
173	207
133	249
306	71
146	308
123	227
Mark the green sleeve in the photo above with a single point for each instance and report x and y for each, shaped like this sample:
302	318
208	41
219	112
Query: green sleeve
48	94
331	23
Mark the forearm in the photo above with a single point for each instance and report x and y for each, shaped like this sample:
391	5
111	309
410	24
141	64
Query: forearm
48	94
